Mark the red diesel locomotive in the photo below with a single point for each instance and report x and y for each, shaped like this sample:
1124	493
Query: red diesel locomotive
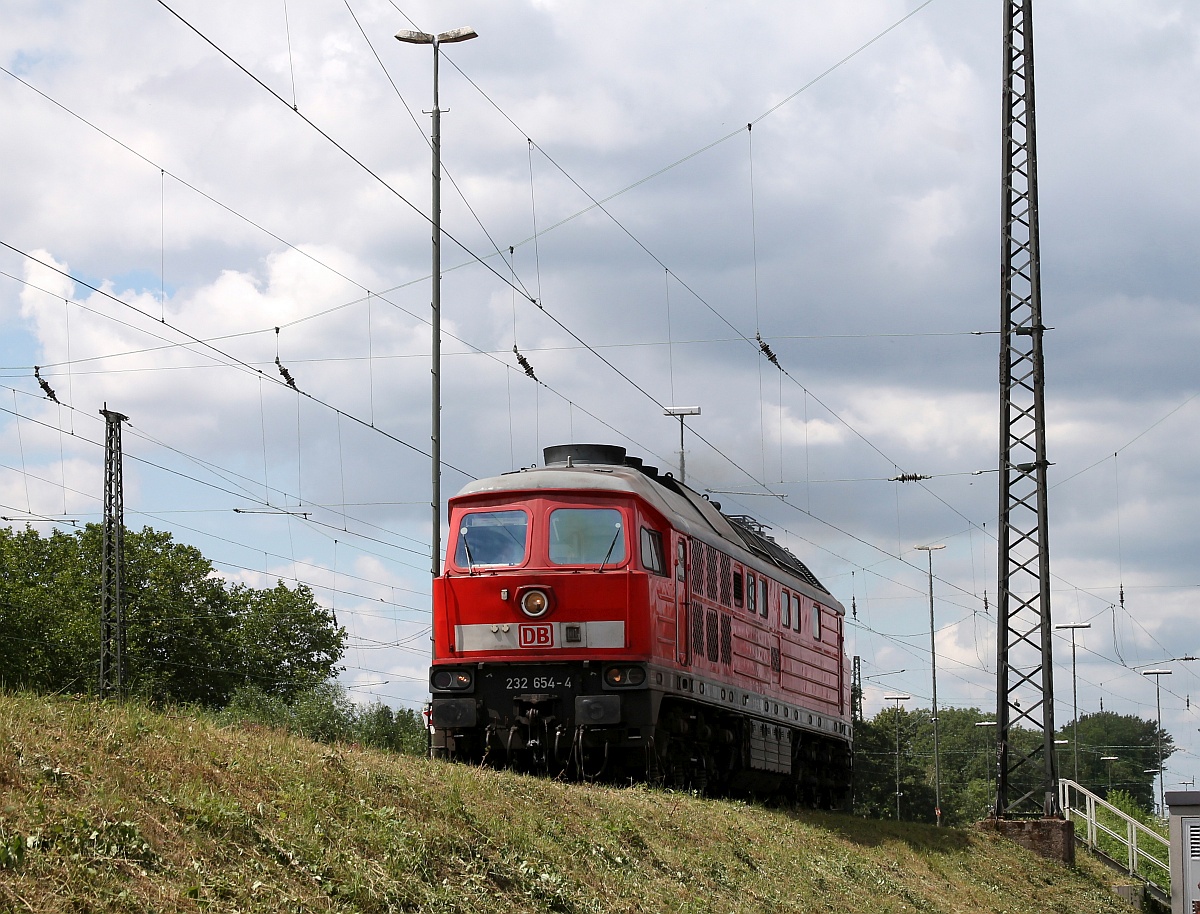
597	619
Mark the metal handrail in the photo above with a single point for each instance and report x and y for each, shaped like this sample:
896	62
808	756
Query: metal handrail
1134	830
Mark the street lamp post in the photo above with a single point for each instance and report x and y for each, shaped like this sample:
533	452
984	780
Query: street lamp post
987	767
1158	674
1058	744
679	412
897	699
937	759
437	40
1073	627
1110	759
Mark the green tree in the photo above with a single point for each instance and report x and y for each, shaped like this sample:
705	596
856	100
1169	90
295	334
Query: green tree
967	754
286	643
48	638
177	618
1132	740
190	638
875	760
968	762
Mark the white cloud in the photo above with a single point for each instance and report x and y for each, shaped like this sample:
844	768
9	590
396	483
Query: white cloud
875	213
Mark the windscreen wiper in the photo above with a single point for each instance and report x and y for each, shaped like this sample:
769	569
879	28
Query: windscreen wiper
467	550
611	547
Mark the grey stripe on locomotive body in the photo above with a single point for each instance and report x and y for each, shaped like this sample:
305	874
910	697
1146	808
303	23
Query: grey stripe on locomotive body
684	509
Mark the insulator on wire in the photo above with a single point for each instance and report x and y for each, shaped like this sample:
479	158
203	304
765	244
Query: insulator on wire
524	363
908	477
287	375
45	387
766	350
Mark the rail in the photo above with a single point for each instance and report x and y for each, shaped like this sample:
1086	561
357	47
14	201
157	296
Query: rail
1147	853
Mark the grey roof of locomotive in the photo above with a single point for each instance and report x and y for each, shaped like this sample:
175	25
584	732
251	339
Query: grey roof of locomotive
688	510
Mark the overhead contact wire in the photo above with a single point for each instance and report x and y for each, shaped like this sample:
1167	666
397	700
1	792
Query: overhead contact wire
230	361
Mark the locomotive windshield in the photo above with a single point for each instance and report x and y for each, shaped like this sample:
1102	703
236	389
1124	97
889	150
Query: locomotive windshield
492	538
586	536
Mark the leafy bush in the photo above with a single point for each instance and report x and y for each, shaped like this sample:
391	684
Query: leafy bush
324	714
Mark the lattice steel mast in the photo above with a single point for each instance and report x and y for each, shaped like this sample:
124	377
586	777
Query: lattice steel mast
112	616
1024	670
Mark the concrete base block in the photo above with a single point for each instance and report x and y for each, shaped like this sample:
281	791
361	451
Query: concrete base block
1050	838
1134	894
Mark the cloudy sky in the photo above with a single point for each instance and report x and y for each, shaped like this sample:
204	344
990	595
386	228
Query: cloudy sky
191	190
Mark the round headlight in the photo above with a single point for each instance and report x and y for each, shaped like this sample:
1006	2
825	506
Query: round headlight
624	676
448	680
535	603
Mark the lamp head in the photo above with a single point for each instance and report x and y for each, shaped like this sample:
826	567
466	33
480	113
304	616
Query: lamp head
464	34
410	37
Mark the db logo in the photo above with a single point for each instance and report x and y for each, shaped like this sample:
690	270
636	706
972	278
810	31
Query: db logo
540	635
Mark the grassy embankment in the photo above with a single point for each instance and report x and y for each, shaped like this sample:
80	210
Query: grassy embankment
105	808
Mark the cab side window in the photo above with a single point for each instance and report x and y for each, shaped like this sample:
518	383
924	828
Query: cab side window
652	551
737	588
816	621
785	609
762	597
751	594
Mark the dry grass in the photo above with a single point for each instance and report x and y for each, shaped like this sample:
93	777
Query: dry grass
120	809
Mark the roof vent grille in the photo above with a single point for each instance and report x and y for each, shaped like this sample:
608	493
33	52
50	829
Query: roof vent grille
575	454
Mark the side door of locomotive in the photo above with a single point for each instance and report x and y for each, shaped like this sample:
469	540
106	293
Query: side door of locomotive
772	600
681	601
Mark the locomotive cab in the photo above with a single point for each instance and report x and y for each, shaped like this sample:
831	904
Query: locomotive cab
541	633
